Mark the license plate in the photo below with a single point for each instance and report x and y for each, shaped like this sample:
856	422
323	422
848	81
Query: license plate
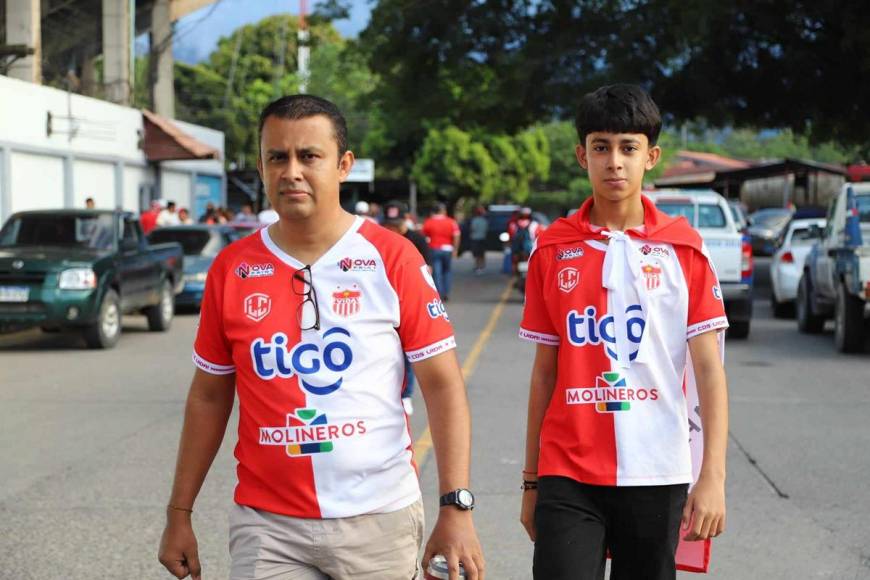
14	293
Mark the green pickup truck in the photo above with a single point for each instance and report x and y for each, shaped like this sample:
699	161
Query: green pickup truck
84	269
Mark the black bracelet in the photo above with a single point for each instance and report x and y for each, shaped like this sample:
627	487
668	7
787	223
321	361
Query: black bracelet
527	485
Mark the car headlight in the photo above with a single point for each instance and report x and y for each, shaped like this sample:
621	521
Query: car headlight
196	277
77	279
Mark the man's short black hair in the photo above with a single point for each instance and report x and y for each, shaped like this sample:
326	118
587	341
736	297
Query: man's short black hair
618	109
303	106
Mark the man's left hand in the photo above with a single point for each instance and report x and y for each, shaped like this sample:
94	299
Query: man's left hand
454	538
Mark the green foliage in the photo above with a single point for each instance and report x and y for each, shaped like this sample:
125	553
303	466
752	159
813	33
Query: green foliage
451	164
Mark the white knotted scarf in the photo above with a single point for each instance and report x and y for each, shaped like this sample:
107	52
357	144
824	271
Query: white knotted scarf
625	285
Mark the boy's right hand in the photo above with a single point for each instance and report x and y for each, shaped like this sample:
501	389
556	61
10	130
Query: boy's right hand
527	512
178	548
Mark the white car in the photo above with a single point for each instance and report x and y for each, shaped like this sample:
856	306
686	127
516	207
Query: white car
788	263
711	215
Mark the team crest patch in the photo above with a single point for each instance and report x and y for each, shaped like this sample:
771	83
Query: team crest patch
347	302
569	254
258	306
652	275
568	279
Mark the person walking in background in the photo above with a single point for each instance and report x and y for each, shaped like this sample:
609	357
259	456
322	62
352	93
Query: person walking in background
477	231
148	219
396	219
168	217
246	215
618	297
89	203
309	323
184	217
443	234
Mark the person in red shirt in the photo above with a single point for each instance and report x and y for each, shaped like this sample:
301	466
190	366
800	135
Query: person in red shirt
627	382
443	234
148	219
309	323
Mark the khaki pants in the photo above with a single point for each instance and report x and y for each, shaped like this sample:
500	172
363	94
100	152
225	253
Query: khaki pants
267	546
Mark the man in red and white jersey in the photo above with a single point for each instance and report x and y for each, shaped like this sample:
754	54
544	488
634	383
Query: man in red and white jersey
623	302
310	321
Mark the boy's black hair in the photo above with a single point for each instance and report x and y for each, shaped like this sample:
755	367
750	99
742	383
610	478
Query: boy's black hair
618	109
303	106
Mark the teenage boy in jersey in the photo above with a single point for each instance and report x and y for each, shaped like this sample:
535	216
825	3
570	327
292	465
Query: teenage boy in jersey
310	322
617	296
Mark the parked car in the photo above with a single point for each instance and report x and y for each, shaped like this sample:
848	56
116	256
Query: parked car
711	215
835	282
201	244
738	212
498	216
766	227
788	263
84	269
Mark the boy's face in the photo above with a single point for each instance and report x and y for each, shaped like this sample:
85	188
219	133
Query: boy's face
616	163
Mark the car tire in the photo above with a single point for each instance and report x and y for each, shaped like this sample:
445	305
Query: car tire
808	321
738	329
105	332
848	321
160	315
781	309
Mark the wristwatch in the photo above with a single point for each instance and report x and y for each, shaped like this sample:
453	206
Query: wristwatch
461	498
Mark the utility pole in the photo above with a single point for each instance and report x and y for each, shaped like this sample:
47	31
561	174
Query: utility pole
303	51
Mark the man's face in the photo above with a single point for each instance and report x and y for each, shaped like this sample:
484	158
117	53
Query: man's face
300	166
616	162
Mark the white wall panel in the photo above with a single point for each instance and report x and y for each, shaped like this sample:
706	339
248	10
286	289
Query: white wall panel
96	180
177	187
134	178
37	181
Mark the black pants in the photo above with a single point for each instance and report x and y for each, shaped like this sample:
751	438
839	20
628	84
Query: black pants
577	523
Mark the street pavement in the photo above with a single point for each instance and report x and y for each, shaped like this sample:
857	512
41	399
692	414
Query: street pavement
88	442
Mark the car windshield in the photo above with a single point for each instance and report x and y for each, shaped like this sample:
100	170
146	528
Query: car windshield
805	236
94	232
771	218
677	209
193	242
709	215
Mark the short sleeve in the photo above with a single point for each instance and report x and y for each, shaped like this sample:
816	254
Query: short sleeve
536	325
706	306
211	350
424	327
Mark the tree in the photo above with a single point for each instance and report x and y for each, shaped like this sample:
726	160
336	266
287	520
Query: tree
452	165
503	64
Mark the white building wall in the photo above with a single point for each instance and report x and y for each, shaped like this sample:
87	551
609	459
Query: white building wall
37	181
94	179
176	186
96	154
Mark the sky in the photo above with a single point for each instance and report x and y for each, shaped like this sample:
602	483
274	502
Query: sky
197	33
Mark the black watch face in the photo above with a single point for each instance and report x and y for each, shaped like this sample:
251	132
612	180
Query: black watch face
465	498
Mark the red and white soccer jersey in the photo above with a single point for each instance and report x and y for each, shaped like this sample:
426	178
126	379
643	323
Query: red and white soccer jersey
621	314
322	430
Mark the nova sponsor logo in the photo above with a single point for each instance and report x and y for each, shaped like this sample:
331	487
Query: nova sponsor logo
436	309
346	302
258	306
568	279
610	394
244	270
317	364
652	275
569	254
357	265
588	330
308	431
655	251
